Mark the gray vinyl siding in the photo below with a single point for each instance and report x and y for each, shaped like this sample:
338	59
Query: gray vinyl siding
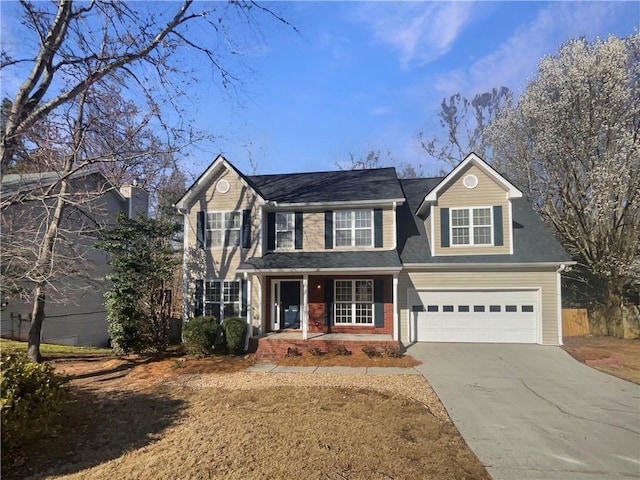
490	278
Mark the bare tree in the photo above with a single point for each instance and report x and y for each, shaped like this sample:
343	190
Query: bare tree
86	53
374	159
463	123
572	144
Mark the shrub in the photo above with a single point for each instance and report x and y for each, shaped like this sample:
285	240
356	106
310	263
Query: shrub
371	351
393	352
316	352
31	395
235	329
199	335
342	351
293	352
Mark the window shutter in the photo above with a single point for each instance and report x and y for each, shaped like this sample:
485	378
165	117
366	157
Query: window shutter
444	227
198	301
328	230
328	302
378	302
200	229
243	297
298	232
377	227
498	234
271	231
246	228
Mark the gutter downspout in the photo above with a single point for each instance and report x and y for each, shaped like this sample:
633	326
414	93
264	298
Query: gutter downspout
559	271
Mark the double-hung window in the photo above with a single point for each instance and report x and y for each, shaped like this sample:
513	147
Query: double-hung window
223	229
471	226
353	228
222	298
354	302
285	230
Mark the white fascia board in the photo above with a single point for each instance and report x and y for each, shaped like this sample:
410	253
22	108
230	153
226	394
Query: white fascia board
346	204
324	271
432	238
204	178
480	266
511	190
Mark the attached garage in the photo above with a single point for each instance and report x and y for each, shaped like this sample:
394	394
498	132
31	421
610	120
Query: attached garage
490	316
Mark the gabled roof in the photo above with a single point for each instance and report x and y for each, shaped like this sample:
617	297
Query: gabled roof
327	187
532	241
203	180
511	191
341	186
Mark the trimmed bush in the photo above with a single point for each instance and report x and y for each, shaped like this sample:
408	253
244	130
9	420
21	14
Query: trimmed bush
293	352
235	330
31	395
341	350
316	352
393	352
371	351
199	335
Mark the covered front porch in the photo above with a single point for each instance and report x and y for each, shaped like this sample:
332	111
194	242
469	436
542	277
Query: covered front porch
322	300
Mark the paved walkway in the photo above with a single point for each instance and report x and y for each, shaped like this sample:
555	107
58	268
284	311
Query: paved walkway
271	368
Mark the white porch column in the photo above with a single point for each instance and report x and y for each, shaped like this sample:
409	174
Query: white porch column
249	313
305	307
396	323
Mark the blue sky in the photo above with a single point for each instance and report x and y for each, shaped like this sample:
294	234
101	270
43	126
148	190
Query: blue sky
366	76
363	76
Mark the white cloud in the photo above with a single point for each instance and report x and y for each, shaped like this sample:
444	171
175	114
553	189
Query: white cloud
421	32
516	60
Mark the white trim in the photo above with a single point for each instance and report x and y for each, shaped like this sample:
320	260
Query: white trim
346	204
304	308
354	302
204	180
559	301
396	317
293	271
353	229
275	303
260	309
413	334
471	226
247	301
477	266
511	190
432	237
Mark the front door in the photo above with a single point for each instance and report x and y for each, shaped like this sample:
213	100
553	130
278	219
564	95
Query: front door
287	305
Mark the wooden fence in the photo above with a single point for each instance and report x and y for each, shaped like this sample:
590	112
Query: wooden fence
574	322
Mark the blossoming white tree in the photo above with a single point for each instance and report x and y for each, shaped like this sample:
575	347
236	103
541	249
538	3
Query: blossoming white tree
572	143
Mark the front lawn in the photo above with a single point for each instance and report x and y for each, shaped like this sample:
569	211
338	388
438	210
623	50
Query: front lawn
616	356
49	349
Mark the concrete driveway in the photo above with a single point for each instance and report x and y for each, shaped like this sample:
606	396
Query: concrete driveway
533	412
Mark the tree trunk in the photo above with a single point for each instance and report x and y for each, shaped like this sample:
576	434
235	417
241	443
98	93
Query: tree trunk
37	316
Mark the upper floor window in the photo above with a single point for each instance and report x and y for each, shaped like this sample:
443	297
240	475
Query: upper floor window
285	230
353	228
471	226
223	229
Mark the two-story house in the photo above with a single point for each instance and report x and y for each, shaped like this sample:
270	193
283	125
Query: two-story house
361	257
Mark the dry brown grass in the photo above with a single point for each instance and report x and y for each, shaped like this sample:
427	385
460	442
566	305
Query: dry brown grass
145	419
616	356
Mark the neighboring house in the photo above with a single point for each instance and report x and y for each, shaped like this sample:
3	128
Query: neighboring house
362	255
74	312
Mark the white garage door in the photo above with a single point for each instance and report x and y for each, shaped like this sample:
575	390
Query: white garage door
505	316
